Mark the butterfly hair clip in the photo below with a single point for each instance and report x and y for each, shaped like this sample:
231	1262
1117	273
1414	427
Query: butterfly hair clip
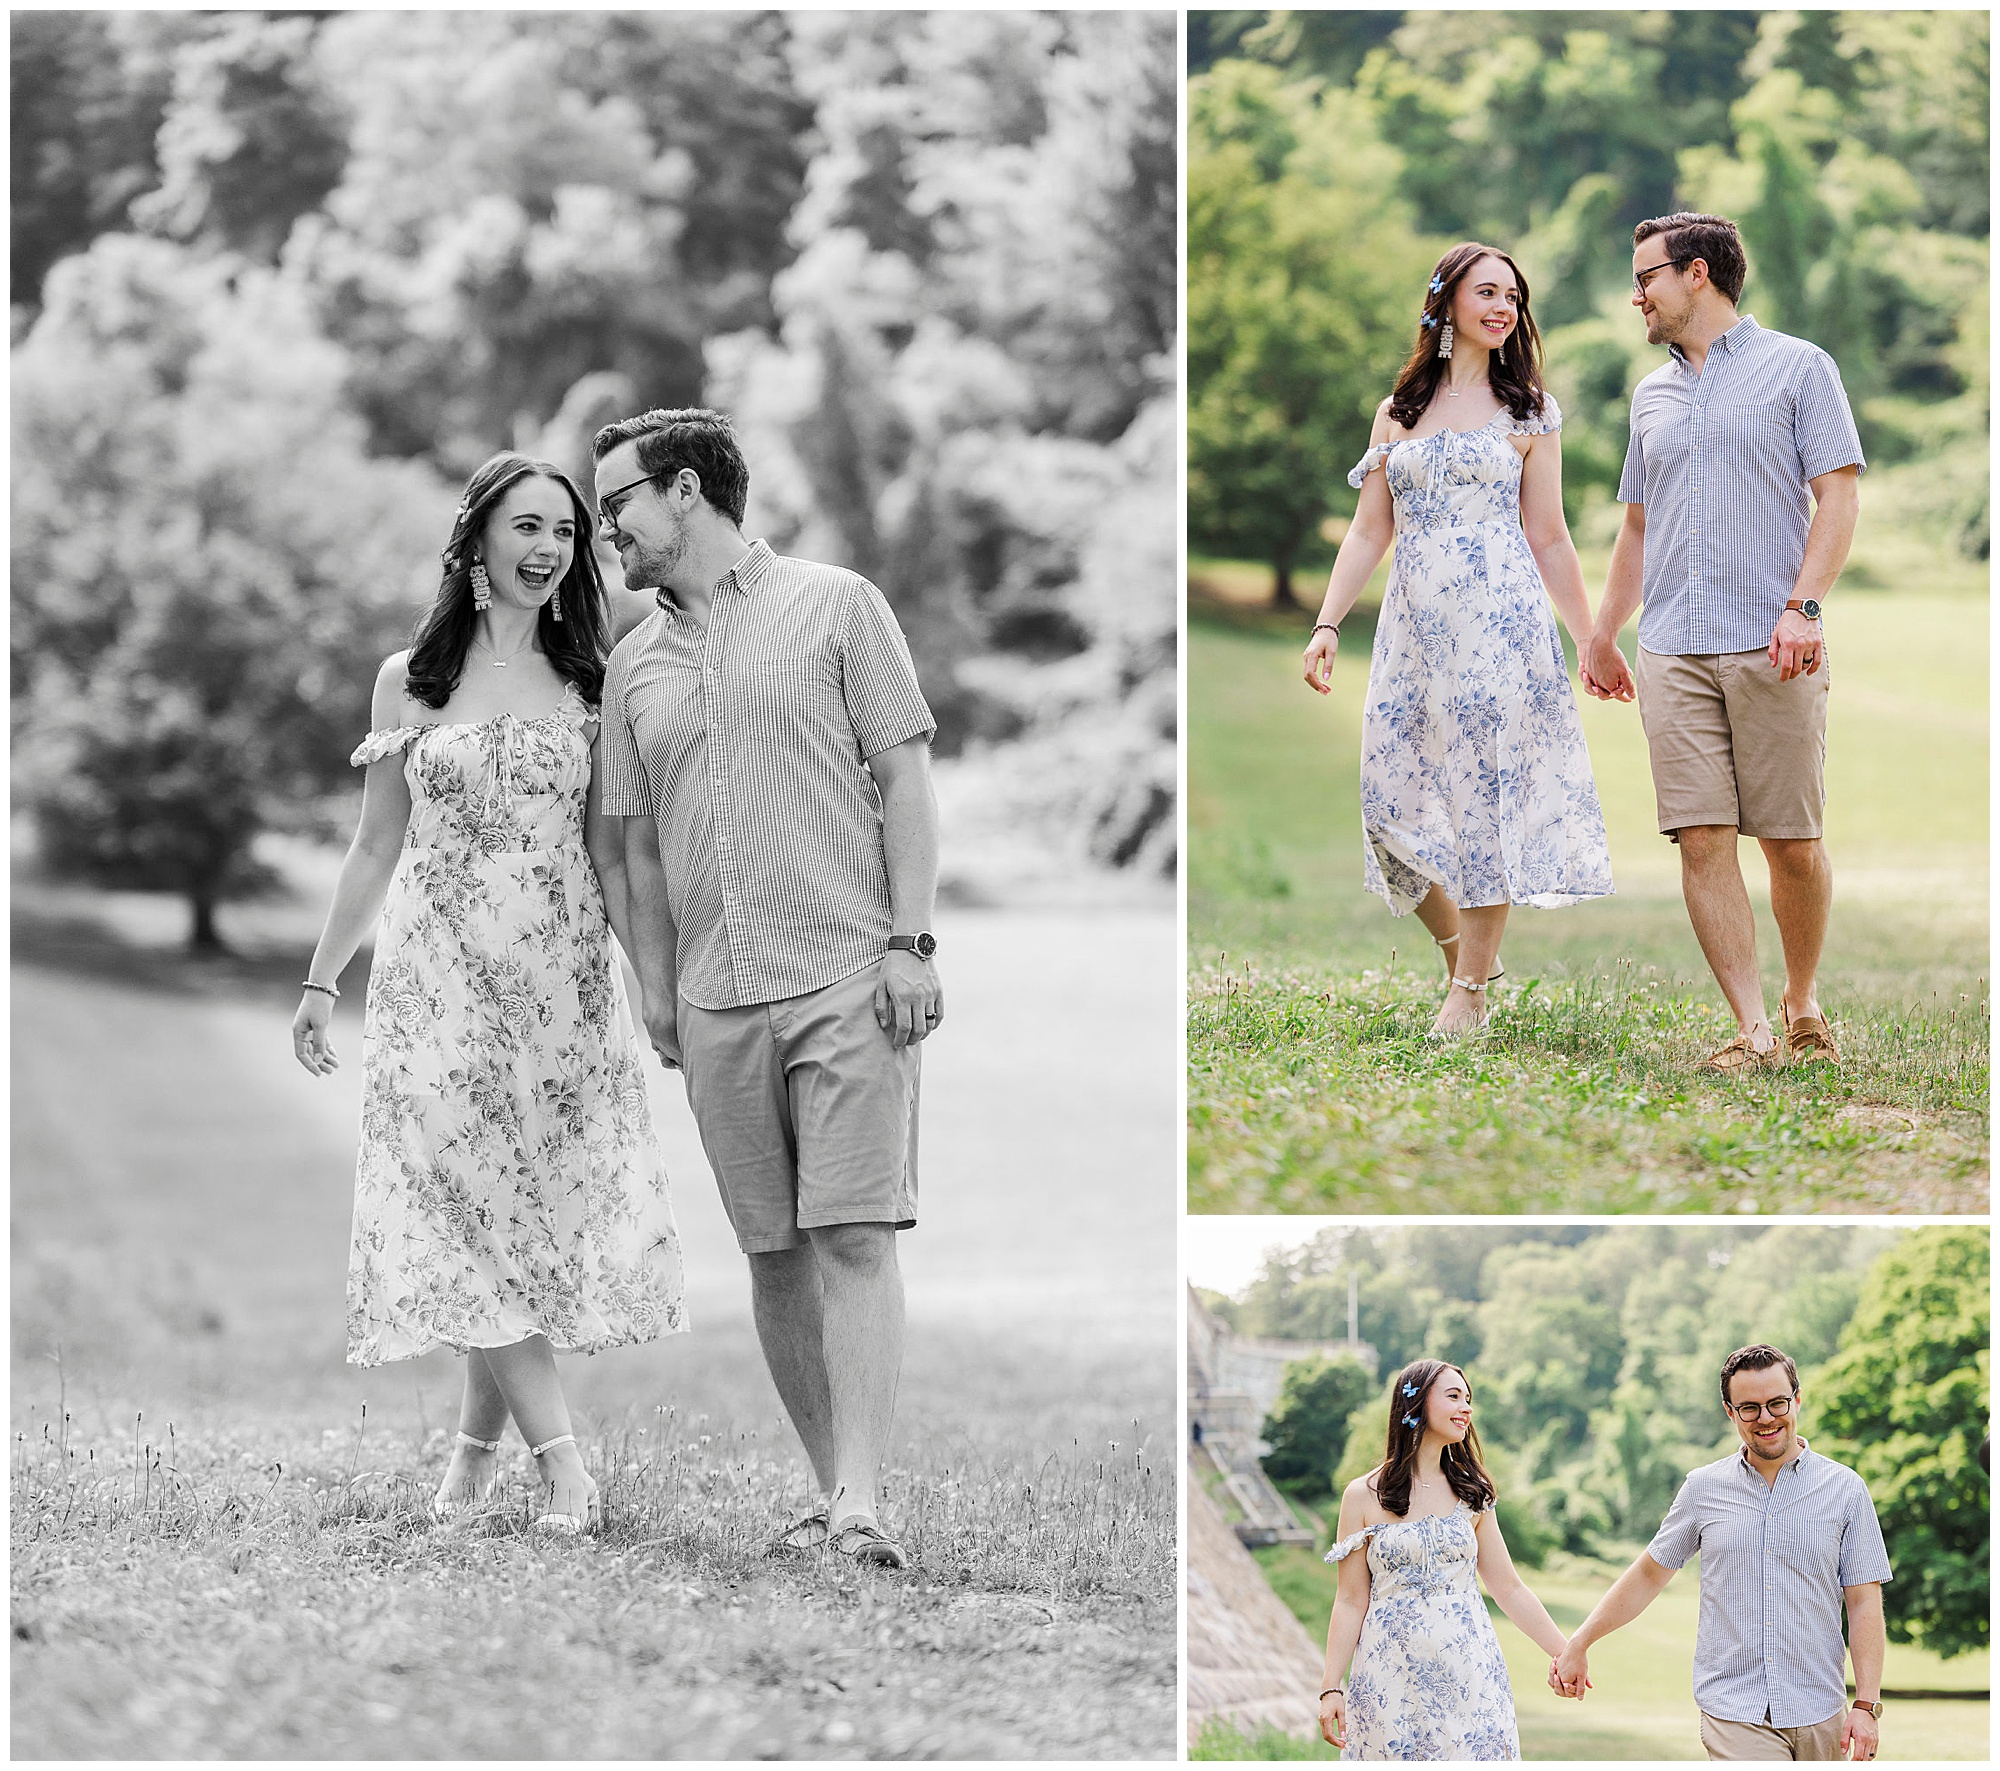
1437	285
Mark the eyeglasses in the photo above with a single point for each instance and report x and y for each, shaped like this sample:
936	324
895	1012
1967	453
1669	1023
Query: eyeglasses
615	500
1749	1411
1639	277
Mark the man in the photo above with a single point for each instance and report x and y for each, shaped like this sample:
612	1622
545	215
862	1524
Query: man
1732	562
1785	1536
766	743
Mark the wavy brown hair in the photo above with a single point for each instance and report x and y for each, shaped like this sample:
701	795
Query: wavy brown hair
576	645
1514	372
1460	1463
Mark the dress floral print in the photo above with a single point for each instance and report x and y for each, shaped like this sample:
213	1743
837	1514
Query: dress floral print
510	1183
1474	774
1428	1680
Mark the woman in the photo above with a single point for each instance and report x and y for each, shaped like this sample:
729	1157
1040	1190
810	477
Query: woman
510	1200
1428	1680
1476	791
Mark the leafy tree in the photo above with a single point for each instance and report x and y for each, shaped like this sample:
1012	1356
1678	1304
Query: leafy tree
207	569
1906	1403
1307	1428
1304	278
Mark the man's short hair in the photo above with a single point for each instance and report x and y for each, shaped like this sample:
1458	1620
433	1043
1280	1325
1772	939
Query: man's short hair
1757	1358
691	437
1711	238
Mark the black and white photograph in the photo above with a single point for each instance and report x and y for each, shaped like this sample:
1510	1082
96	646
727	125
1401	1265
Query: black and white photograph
595	988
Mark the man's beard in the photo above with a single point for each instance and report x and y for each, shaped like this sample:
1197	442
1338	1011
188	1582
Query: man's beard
653	566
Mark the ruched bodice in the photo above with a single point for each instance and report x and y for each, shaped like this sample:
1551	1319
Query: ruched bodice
1474	775
1428	1679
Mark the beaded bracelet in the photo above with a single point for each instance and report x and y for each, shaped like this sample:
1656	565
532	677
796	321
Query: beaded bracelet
328	988
1330	627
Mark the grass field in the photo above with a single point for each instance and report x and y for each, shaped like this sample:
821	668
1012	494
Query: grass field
1641	1706
1311	1088
220	1544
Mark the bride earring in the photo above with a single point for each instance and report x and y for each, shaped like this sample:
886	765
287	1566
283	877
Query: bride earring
482	586
1444	343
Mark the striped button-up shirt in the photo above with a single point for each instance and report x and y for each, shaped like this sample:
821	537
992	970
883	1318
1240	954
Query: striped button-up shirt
1767	1643
1720	460
747	740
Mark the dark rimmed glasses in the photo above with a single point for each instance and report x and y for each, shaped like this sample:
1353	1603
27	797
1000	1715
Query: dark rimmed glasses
1639	277
1749	1411
618	497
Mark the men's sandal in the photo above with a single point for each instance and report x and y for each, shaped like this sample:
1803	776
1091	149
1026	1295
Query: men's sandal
869	1544
1740	1054
1809	1039
807	1532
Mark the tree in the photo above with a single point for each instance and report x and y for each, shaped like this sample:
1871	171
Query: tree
1905	1402
1304	281
1307	1428
207	569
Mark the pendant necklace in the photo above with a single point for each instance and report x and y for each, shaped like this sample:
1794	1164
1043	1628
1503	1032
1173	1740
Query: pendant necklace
500	663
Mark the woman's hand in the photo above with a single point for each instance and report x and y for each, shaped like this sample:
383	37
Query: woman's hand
1333	1718
1319	658
310	1027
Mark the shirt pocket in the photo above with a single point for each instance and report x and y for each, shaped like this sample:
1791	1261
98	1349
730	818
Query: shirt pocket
1808	1546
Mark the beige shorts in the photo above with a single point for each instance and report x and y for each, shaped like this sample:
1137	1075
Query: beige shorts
1731	744
1759	1740
807	1112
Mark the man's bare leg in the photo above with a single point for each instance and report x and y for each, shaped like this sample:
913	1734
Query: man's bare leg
1801	900
862	1287
785	1300
1719	908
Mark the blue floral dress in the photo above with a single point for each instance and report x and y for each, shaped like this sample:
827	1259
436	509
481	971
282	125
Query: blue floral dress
1474	774
1428	1680
509	1183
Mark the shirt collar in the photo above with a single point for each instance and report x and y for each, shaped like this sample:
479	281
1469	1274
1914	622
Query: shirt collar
1734	339
745	574
1743	1458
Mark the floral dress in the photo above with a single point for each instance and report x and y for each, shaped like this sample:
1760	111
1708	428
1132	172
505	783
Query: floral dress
509	1182
1428	1680
1474	774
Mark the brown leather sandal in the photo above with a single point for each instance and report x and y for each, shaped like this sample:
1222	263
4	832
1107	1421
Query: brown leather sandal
1740	1054
1809	1039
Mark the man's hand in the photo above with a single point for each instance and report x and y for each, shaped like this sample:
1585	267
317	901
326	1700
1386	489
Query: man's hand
663	1028
1796	646
1569	1672
1859	1735
909	1002
1605	672
1320	650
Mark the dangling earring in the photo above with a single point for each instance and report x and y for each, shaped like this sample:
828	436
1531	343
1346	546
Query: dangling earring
555	605
482	586
1444	343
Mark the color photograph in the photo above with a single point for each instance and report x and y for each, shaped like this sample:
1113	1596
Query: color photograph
1587	657
1588	1492
595	994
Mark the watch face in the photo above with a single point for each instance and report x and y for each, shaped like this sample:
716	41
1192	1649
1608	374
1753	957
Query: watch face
926	945
1810	610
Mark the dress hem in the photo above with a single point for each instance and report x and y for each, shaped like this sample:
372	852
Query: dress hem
607	1345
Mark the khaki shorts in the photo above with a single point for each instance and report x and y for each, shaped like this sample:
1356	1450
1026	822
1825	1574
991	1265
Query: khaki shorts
807	1112
1759	1740
1730	744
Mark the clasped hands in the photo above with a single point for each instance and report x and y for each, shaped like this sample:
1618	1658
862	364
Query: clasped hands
1569	1673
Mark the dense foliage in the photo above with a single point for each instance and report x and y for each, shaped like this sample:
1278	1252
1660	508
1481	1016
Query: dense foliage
280	281
1333	155
1593	1356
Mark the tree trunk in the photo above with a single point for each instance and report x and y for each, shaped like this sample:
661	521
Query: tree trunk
203	936
1281	596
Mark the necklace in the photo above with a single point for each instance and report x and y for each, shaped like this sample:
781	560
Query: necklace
500	663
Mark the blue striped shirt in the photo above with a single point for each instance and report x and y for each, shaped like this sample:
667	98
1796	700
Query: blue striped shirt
1721	462
1767	1643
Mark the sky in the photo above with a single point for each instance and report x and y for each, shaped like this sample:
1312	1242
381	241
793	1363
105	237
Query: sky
1224	1254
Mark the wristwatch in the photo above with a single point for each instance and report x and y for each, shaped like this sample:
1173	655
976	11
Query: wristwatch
923	944
1874	1709
1807	607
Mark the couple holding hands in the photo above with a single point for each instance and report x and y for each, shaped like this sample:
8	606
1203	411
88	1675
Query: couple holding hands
1740	489
1788	1539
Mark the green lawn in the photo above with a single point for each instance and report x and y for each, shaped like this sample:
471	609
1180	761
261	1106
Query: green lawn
1311	1088
1641	1705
